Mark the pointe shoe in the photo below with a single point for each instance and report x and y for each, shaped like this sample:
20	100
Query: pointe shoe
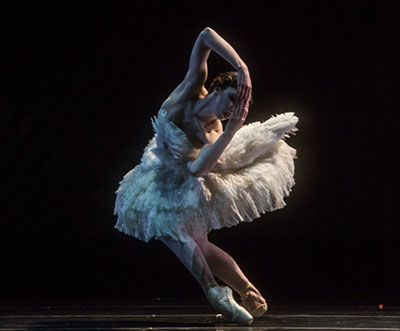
222	300
252	301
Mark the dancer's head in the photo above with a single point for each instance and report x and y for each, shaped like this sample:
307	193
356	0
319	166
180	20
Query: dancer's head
226	79
222	91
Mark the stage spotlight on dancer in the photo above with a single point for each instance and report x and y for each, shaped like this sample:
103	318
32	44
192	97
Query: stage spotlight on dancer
195	176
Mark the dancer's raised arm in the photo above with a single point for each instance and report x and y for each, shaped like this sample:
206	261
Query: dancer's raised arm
214	41
196	76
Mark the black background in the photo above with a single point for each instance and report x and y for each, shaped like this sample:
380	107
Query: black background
80	82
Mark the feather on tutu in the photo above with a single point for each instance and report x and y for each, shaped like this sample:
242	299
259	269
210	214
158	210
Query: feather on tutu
159	198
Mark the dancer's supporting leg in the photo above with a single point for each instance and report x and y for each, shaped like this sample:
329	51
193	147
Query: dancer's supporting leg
192	257
220	298
225	268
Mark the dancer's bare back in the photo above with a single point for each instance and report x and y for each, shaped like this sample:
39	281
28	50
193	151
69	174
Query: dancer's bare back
181	102
198	132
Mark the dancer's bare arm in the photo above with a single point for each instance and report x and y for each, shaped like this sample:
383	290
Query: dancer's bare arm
209	155
196	76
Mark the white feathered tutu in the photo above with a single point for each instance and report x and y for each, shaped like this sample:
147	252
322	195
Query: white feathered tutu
159	198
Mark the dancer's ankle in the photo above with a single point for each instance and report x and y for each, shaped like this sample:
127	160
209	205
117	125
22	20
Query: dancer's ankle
207	287
245	289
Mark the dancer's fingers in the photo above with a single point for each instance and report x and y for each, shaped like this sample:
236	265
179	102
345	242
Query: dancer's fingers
248	93
239	91
238	108
243	92
245	109
242	108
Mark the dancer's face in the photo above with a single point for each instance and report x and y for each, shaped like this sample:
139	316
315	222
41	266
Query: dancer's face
222	105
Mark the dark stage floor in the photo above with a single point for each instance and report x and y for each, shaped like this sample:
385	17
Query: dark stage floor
183	314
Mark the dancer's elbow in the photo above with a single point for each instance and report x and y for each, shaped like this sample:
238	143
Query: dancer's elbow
194	171
197	173
207	31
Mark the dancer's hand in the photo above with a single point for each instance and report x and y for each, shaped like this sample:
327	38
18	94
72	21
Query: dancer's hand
244	87
240	107
238	117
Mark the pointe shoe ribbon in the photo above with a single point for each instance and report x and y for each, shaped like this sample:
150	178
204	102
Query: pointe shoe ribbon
221	299
252	301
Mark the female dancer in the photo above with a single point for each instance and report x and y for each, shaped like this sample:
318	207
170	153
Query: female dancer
195	177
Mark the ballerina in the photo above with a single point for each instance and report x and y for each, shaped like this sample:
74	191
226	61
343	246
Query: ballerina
195	176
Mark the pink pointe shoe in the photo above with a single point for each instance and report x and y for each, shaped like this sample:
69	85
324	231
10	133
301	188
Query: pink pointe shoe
252	301
221	299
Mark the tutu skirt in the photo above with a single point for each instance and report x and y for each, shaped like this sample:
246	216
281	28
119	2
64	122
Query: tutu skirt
159	198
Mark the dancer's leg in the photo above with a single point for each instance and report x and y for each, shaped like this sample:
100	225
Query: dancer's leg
220	298
193	259
225	268
223	265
